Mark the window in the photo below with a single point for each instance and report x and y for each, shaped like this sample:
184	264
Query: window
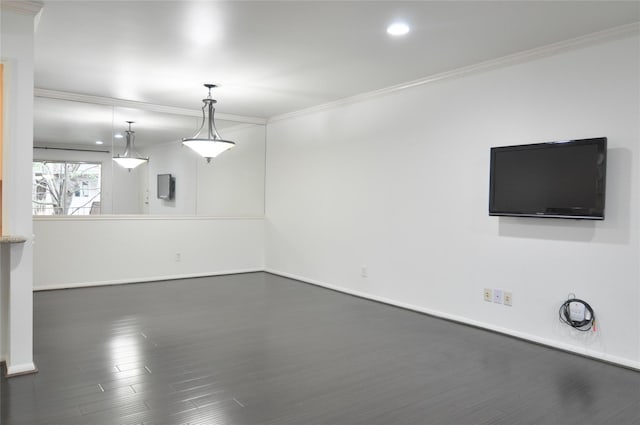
66	188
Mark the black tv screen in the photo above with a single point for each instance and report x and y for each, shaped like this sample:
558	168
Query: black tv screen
166	186
564	179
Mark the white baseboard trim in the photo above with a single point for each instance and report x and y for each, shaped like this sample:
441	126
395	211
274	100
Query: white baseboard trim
620	361
19	369
141	279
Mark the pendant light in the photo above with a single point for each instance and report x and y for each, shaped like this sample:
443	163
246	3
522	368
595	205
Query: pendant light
207	142
130	159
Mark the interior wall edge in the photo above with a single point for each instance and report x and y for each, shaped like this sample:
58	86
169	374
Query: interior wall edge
57	286
591	354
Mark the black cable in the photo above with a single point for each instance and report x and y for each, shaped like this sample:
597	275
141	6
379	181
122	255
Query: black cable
581	325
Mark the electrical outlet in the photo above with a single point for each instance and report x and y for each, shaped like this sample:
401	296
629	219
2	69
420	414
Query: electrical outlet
178	257
488	295
364	271
497	296
508	299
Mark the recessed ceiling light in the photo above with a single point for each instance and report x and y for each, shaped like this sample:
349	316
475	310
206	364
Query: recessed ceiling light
398	28
99	142
118	136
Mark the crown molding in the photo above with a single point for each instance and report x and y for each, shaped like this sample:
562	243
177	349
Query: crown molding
31	8
512	59
123	103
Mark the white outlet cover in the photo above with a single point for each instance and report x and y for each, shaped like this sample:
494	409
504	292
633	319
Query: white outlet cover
497	296
508	298
488	294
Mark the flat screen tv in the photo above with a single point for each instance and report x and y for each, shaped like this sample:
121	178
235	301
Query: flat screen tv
166	186
564	179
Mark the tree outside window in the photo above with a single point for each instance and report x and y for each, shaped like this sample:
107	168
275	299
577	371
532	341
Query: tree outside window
66	188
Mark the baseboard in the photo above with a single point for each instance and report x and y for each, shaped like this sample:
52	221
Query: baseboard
141	279
20	369
618	361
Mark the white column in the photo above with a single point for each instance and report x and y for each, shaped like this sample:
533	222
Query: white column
17	54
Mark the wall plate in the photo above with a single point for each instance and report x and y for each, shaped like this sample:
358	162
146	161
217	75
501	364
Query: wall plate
497	296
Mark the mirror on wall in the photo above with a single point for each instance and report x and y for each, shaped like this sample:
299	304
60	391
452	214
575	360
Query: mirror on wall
74	173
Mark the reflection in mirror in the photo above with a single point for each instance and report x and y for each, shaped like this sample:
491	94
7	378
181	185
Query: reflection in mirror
68	124
232	185
66	187
71	158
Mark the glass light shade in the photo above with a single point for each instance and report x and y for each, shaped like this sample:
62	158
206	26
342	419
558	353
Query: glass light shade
130	159
128	162
207	142
208	148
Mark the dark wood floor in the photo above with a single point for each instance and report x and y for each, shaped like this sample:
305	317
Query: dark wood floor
261	349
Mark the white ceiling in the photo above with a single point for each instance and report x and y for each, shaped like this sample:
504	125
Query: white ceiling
274	57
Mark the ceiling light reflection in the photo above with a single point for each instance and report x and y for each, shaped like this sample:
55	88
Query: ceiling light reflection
126	349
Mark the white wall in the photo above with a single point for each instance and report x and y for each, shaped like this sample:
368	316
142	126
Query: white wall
119	249
232	185
107	250
122	190
400	184
16	52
